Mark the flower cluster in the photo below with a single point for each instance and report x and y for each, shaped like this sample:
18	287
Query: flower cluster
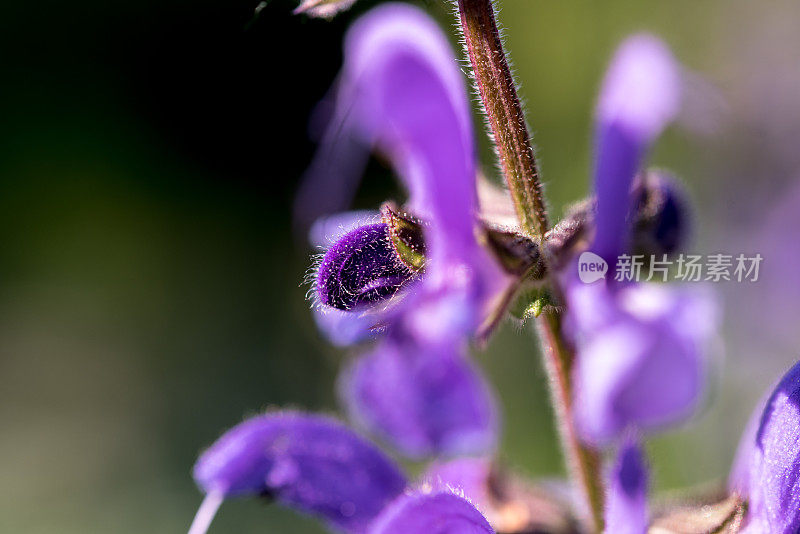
409	287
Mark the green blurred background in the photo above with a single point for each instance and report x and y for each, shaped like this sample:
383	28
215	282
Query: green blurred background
150	284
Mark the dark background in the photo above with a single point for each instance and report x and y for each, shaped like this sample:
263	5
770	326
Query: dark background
150	283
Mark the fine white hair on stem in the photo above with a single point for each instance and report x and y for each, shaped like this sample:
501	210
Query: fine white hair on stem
205	514
467	69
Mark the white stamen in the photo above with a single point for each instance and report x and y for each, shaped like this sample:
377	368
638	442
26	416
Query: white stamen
205	514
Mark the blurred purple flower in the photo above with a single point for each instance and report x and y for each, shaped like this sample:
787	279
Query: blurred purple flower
641	356
639	346
772	452
639	97
308	462
346	328
431	513
424	400
626	500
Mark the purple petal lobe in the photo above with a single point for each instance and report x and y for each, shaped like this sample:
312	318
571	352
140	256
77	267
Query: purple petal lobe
360	269
346	328
639	97
434	513
641	359
626	501
739	478
641	90
406	88
424	401
774	485
311	463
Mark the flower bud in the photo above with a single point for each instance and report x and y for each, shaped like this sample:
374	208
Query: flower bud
660	215
360	269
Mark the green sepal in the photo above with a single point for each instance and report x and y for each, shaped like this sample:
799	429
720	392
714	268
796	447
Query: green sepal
406	235
530	303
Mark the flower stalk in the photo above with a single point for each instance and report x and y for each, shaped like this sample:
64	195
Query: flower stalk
583	462
513	142
504	113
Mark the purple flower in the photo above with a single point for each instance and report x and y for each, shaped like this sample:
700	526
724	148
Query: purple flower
424	400
772	452
640	346
431	513
401	92
640	356
626	500
308	462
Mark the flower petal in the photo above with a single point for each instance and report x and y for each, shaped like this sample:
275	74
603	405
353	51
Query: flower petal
346	328
404	87
774	487
626	501
643	365
639	97
434	513
311	463
424	401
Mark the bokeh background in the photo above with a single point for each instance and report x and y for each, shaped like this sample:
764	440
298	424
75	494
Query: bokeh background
151	285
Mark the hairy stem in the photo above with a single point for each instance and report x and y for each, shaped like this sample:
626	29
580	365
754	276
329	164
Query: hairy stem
504	113
503	110
583	463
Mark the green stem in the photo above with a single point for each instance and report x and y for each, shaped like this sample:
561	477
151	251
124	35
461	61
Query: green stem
583	463
504	113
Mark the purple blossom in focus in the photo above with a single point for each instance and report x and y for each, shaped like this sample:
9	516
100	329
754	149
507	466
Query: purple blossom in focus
771	455
640	360
404	95
640	347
